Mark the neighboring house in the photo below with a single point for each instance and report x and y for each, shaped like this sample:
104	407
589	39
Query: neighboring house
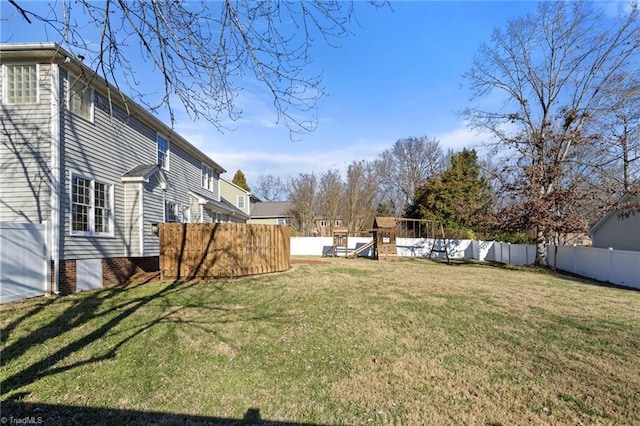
325	227
619	229
96	167
272	212
239	197
578	239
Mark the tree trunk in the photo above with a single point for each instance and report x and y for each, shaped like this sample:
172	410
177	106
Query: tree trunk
541	247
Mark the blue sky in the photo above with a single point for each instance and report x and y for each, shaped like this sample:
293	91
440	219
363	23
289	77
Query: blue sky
398	75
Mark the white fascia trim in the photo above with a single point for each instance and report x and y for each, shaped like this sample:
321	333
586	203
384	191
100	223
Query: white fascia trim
201	201
137	179
55	185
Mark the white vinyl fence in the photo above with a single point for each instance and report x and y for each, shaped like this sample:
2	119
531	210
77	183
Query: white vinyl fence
25	267
618	267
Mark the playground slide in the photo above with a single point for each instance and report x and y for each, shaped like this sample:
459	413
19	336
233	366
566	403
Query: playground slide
360	249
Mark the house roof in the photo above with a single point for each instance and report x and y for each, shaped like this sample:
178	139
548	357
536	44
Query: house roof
143	171
53	53
222	205
626	197
271	209
384	222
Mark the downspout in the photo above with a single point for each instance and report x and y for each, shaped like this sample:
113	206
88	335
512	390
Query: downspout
141	218
54	234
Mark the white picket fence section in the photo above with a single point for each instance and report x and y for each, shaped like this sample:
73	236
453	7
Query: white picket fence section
618	267
25	265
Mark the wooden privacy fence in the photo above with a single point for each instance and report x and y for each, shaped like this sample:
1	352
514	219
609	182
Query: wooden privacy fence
216	250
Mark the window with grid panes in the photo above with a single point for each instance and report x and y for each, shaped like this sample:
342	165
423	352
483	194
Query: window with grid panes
21	84
163	152
80	97
207	177
91	207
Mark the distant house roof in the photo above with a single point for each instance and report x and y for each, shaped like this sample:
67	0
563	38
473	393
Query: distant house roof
271	209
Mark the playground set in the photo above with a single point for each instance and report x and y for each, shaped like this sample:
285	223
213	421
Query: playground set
384	232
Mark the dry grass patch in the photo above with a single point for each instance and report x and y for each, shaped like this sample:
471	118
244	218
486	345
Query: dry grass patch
338	342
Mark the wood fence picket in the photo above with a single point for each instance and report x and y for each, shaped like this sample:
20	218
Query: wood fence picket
216	250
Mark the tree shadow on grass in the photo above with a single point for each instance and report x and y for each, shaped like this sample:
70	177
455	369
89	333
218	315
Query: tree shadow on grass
111	306
54	414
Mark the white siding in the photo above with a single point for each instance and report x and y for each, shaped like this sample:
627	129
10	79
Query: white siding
619	232
103	149
153	207
132	218
25	140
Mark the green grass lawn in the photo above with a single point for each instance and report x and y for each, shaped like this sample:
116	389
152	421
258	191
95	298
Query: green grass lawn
344	342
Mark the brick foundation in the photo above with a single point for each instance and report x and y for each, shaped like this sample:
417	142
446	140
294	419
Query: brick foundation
115	271
119	270
67	277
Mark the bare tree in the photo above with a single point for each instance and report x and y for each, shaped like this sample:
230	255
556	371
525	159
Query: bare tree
202	50
619	126
405	166
270	188
360	196
550	70
303	195
330	195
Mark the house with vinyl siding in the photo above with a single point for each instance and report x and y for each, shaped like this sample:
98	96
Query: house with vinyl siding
271	212
96	167
237	196
619	228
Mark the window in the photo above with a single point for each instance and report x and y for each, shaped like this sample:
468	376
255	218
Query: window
222	218
323	223
21	84
163	152
282	221
336	222
207	177
240	202
91	207
79	97
177	212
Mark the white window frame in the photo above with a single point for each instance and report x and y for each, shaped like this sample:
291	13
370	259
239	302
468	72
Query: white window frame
71	80
91	206
165	164
5	83
207	177
281	221
177	212
241	200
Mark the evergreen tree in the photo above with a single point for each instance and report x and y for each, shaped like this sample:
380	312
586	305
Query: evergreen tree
460	196
240	180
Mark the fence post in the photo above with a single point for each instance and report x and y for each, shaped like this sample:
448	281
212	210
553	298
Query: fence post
611	277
